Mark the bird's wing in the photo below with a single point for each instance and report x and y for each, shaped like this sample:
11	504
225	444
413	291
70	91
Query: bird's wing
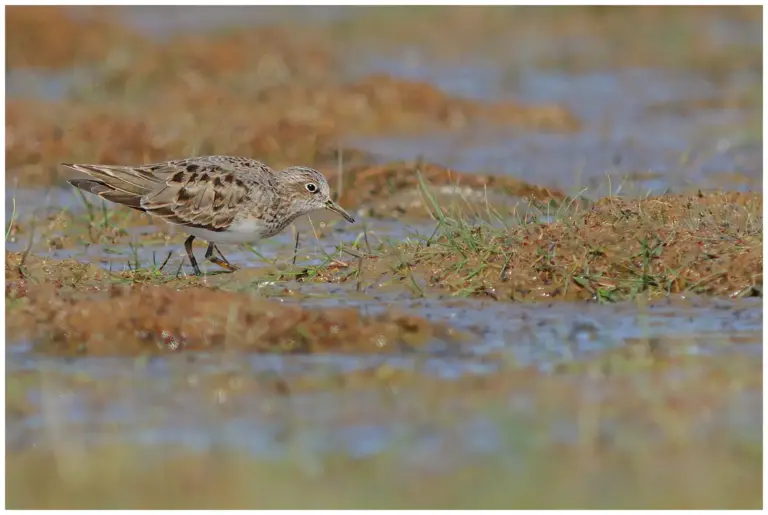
204	192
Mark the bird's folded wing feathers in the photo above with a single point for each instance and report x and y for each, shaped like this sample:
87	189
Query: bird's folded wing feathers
208	198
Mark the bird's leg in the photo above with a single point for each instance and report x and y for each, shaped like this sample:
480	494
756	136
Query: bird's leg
223	263
216	248
192	260
296	245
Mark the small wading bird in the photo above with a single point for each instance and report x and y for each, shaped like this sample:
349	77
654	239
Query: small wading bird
219	199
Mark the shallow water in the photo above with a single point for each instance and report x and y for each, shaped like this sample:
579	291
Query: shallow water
161	399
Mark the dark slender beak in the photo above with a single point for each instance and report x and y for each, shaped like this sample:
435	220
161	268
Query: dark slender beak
333	206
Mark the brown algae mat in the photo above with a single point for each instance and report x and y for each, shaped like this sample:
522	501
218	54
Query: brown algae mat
68	308
66	39
708	243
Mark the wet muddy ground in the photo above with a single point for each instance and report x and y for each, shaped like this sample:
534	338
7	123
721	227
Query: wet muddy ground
552	296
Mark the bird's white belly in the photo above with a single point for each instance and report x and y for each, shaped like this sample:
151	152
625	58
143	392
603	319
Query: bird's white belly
244	231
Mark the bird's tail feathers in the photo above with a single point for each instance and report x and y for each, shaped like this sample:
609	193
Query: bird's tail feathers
124	179
107	192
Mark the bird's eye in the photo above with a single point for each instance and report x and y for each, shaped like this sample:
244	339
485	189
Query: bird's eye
311	187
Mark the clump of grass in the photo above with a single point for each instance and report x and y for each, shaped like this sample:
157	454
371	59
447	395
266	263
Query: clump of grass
154	273
616	249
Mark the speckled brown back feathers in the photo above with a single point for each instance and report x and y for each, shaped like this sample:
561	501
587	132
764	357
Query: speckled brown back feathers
208	198
205	192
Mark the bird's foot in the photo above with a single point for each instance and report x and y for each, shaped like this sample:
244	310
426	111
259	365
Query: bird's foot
223	264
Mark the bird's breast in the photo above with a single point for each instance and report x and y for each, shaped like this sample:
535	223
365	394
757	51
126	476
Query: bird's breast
248	230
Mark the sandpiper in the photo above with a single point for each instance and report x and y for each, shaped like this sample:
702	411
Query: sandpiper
219	199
